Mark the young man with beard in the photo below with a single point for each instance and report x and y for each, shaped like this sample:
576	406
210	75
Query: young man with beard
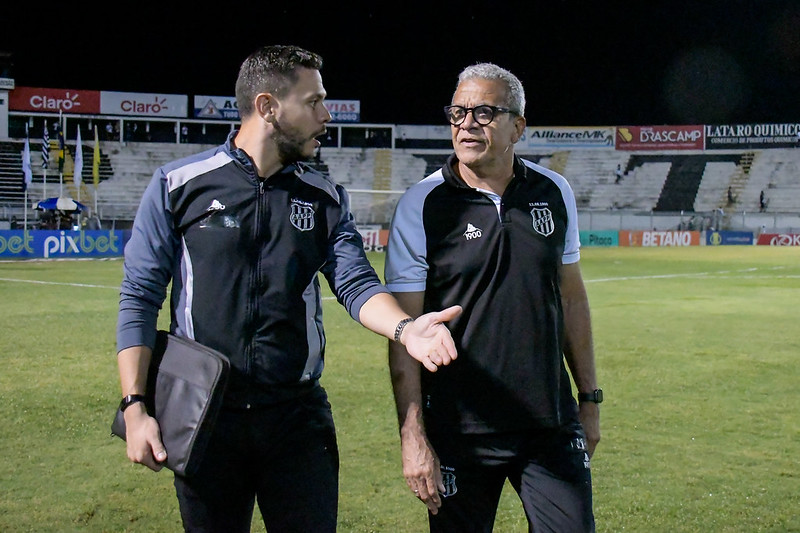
499	235
242	232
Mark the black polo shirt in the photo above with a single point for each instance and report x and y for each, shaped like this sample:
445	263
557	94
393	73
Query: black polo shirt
497	257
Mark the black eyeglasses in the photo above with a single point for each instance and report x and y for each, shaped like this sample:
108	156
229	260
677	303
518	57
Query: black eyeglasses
482	114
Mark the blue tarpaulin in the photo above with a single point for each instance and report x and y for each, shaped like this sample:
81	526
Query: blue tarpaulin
62	204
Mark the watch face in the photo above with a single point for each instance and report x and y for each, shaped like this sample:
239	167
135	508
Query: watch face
129	400
596	396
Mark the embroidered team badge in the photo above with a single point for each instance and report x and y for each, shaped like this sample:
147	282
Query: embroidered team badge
448	480
543	221
302	215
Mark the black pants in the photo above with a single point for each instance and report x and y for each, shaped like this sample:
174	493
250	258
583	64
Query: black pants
284	456
549	469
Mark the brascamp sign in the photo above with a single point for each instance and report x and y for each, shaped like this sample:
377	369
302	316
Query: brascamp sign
659	138
751	136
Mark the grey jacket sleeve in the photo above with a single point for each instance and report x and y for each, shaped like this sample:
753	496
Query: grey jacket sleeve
150	255
349	273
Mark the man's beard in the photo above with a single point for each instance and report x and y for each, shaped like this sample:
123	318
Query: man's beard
290	144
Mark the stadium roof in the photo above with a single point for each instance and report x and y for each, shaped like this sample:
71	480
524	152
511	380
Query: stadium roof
582	63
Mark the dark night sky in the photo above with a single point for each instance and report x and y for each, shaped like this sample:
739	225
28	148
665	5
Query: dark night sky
582	63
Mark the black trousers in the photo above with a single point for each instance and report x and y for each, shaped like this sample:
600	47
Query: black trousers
548	468
284	456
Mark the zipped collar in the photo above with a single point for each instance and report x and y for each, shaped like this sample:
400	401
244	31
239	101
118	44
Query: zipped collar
454	180
299	169
242	157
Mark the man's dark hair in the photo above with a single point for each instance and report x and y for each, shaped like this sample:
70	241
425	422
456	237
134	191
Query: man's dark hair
271	69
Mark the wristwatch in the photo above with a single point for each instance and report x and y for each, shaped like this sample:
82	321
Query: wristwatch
129	400
596	396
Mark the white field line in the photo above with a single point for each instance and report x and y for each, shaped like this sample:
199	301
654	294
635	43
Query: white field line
38	282
743	273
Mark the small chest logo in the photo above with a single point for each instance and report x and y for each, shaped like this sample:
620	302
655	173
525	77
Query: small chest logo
472	232
542	221
302	216
216	205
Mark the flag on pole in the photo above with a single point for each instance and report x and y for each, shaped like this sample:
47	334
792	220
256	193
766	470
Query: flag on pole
77	176
45	147
60	148
96	160
27	173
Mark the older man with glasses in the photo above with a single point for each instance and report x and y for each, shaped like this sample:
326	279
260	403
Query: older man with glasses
498	235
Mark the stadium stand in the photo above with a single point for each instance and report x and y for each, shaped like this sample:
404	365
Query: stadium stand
685	182
46	182
777	173
134	164
11	173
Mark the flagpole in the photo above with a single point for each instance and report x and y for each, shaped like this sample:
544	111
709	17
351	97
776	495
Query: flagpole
45	159
62	156
27	175
77	171
95	167
25	179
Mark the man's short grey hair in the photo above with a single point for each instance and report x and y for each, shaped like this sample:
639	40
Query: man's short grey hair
515	99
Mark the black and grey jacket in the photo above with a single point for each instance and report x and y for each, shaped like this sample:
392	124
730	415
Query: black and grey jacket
243	256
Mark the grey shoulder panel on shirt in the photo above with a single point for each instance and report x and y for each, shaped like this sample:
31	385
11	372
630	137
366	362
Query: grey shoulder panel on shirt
319	180
182	174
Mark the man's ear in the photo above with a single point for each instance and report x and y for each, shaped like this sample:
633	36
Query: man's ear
265	106
519	127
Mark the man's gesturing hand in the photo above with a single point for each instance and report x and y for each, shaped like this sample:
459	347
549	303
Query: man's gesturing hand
429	341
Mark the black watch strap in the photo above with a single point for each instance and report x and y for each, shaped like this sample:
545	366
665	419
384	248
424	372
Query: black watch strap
129	400
596	396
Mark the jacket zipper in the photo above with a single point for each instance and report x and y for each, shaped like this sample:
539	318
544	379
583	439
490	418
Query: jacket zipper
255	276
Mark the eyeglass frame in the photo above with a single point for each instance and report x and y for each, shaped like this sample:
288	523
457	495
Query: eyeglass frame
495	110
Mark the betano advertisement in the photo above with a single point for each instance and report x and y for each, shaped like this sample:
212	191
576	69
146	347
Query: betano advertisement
659	238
